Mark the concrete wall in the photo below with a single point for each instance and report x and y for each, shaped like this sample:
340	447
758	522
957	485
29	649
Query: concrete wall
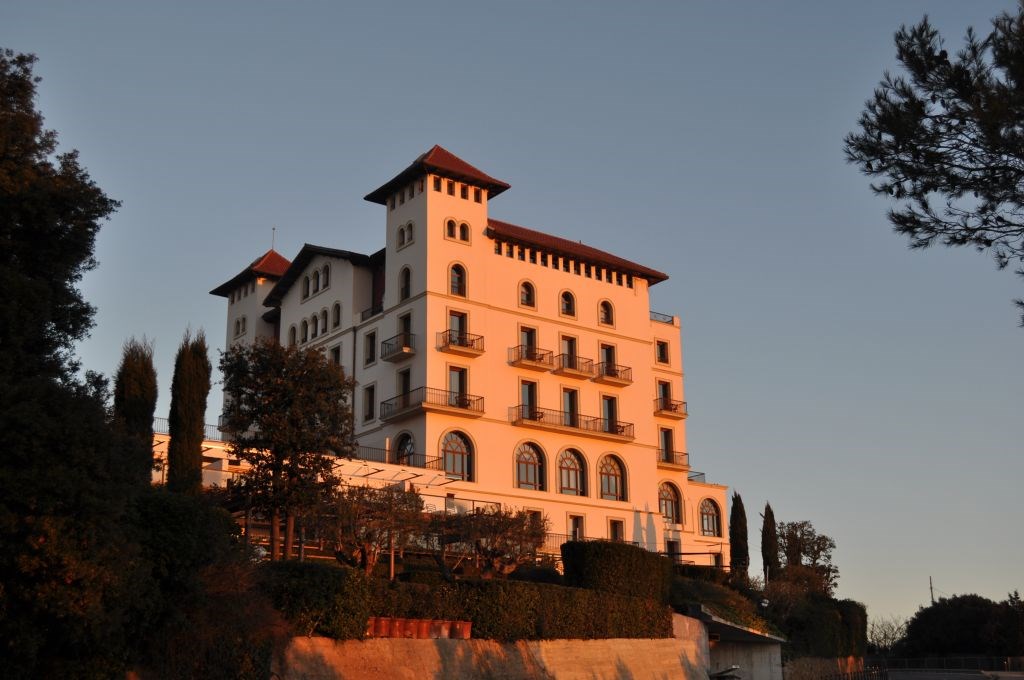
684	656
756	661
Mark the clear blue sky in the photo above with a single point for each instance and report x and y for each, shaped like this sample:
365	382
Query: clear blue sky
872	390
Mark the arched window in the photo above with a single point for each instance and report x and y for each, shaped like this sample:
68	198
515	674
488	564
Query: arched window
613	479
305	331
404	284
449	228
710	518
316	281
325	279
669	503
408	232
305	287
314	326
405	450
463	232
529	467
527	297
571	473
606	314
458	456
238	326
323	320
291	336
243	324
568	304
458	280
336	315
401	236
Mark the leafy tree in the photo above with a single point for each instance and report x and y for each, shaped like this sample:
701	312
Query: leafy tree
287	412
503	538
372	520
187	421
808	556
739	551
962	624
134	403
769	545
945	140
51	212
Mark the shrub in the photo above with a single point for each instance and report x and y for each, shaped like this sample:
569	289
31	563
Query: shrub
537	573
319	598
854	627
702	573
617	568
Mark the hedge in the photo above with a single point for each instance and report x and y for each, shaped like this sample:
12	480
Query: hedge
617	568
319	598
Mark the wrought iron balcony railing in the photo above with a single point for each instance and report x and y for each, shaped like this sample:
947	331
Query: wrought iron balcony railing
662	318
528	414
457	341
667	406
674	457
422	397
399	347
614	373
372	311
380	455
529	356
571	364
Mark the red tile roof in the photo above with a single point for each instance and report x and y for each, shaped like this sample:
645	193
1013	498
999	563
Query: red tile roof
504	231
439	161
270	264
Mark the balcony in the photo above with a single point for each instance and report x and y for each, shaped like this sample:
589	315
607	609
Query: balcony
372	311
378	455
669	408
400	347
673	459
562	421
662	318
429	399
526	356
613	374
553	542
458	342
573	366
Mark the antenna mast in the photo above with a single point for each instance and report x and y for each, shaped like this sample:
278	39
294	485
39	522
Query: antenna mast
273	236
931	589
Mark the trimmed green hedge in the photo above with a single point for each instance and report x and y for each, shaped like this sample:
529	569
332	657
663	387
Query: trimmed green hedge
319	598
617	568
721	600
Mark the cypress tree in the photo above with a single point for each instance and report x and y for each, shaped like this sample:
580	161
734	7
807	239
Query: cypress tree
134	403
739	550
187	419
770	545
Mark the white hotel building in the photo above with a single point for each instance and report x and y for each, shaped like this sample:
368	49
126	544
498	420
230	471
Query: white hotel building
497	364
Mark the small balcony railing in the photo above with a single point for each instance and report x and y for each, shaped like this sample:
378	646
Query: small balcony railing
573	365
528	356
553	542
372	311
399	347
527	414
381	455
213	433
697	477
681	458
613	374
662	318
460	343
427	398
666	406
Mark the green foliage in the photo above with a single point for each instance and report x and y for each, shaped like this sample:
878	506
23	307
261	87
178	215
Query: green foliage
187	420
702	573
135	397
945	140
739	551
502	539
854	627
51	214
769	545
967	624
517	610
537	573
721	600
808	556
319	598
617	568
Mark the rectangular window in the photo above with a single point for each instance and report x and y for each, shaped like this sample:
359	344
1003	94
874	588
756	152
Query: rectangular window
528	398
528	338
565	264
336	355
458	384
508	250
437	184
404	384
401	197
597	272
569	350
570	407
521	253
664	391
665	443
405	329
610	414
618	278
661	352
497	247
476	195
391	203
457	328
616	530
576	267
463	191
544	259
576	527
369	348
629	281
451	188
554	261
369	402
586	270
420	186
608	358
533	256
